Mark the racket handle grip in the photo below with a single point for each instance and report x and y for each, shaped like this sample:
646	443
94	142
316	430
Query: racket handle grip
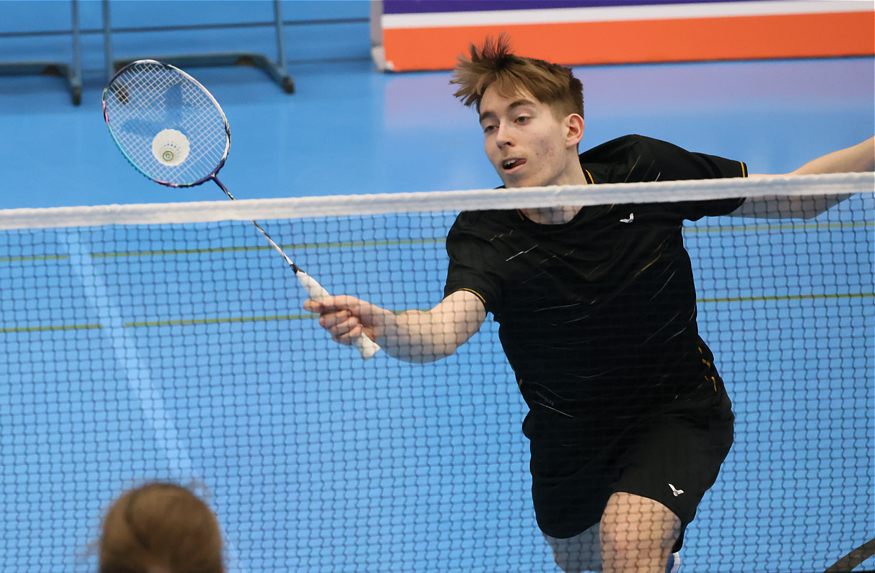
366	347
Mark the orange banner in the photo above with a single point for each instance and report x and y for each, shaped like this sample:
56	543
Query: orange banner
581	43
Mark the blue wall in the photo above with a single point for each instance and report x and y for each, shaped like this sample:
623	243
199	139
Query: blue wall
315	30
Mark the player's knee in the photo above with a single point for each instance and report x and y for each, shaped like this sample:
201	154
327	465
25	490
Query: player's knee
579	554
627	545
568	563
634	535
616	544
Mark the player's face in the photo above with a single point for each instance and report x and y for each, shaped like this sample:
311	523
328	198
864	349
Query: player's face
525	142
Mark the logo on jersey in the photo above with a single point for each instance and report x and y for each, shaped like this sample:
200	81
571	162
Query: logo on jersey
675	491
630	219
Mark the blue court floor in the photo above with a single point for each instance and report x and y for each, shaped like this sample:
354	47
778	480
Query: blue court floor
350	129
316	463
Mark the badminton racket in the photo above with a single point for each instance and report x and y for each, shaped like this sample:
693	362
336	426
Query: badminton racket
173	131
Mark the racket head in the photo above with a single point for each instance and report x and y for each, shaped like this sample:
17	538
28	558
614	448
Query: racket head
167	125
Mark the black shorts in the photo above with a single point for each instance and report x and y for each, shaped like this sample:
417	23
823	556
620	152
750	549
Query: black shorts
673	458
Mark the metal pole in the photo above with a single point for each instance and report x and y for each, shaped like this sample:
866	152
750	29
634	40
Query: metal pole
281	51
107	41
76	72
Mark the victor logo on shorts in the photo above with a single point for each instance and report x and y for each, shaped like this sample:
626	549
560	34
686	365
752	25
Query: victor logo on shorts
675	491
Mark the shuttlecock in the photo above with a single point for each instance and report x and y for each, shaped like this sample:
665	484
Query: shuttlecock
170	147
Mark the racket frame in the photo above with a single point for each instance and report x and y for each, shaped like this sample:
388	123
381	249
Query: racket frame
366	347
205	91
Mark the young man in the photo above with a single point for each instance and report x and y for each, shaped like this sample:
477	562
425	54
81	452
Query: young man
629	421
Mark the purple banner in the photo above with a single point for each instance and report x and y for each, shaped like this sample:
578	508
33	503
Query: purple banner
425	6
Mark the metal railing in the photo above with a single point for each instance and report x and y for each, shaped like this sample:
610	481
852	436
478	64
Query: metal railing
72	71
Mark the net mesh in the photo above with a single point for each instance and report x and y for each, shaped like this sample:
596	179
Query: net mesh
181	352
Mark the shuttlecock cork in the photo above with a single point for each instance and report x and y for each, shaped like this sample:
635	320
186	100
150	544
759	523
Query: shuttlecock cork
170	147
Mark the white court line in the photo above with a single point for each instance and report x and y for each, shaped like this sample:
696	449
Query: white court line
136	371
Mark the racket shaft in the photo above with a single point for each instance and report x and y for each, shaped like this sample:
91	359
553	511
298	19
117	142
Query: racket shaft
276	247
365	345
315	291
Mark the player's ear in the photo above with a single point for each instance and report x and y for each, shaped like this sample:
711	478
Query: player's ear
573	129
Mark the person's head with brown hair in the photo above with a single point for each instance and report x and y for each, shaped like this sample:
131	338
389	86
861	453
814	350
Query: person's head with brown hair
494	64
531	113
160	528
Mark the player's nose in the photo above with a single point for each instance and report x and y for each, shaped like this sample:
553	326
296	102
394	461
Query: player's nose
503	136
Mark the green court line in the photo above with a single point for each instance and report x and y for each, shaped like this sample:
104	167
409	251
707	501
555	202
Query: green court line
34	258
216	320
788	227
169	252
50	328
308	316
291	248
215	250
786	297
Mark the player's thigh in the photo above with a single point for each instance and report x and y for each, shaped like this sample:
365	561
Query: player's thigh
632	521
676	461
579	553
570	487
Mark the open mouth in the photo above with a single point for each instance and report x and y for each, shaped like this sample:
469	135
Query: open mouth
511	164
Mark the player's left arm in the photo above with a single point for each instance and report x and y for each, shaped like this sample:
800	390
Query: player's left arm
855	159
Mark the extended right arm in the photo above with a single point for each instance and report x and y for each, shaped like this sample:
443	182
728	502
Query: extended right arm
854	159
412	335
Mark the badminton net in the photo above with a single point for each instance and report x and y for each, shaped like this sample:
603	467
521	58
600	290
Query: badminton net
168	342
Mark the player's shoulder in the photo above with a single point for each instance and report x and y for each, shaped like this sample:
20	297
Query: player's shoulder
485	217
635	158
480	222
625	146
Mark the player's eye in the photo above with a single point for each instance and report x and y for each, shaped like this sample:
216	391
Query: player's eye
488	128
522	119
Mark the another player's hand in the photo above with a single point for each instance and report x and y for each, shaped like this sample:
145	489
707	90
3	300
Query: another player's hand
347	317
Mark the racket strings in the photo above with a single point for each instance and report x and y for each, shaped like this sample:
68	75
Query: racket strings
147	99
152	108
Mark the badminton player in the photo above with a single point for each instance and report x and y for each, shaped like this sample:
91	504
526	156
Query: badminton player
160	528
628	419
